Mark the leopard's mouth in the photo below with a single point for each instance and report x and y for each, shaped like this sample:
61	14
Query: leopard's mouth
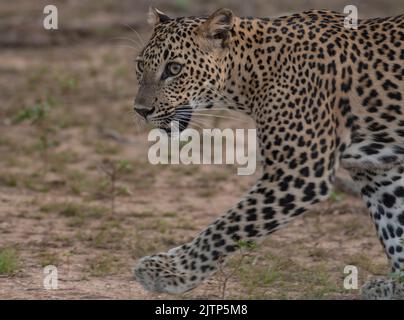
178	121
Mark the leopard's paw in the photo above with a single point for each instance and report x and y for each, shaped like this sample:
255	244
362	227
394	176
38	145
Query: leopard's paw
160	273
383	289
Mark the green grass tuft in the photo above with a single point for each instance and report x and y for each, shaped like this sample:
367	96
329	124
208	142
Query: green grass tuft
8	261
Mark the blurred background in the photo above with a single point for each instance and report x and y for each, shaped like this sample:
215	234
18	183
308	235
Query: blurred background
76	188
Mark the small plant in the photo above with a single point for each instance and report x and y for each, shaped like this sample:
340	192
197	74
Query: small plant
77	213
245	248
8	261
9	180
110	235
67	83
38	115
337	196
48	258
103	265
113	170
398	276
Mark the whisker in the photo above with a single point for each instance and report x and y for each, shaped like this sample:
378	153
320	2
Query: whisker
225	108
161	118
196	111
194	121
214	109
196	125
200	121
137	33
217	116
126	45
191	121
127	39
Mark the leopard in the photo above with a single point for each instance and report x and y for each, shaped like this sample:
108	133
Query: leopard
323	95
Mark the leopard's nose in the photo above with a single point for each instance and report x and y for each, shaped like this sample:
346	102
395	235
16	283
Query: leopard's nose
143	111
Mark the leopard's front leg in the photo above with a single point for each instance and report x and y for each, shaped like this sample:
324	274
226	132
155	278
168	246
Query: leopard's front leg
275	200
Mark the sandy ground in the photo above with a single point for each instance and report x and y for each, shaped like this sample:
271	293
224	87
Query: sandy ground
55	202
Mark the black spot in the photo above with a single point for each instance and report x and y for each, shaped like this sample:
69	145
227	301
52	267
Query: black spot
398	149
204	268
323	188
220	243
394	95
251	231
388	200
232	229
251	214
399	192
373	148
304	171
269	198
401	218
309	192
216	236
385	235
390	228
299	211
298	183
380	210
165	54
203	258
268	212
270	226
367	191
388	159
286	200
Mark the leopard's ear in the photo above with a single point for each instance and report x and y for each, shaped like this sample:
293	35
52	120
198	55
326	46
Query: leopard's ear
155	16
218	26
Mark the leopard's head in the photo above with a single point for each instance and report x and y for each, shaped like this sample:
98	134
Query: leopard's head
182	67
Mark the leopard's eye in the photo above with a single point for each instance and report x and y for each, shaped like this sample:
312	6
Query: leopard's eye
140	66
173	69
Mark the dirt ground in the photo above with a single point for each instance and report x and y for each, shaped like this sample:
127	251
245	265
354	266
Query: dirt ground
59	205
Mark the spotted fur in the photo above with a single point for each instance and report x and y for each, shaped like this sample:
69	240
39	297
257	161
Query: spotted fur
322	96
